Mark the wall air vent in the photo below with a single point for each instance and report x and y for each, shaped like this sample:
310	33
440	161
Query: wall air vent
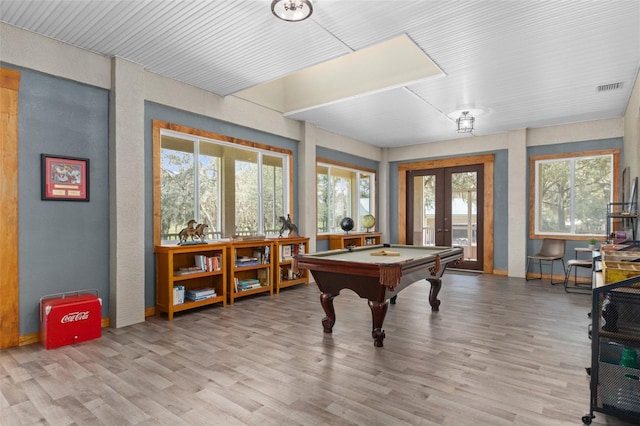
608	87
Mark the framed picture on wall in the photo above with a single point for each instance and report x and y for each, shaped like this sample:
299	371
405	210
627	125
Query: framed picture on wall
64	178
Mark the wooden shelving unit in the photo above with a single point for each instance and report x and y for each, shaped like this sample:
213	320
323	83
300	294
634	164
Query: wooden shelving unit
357	239
284	251
250	261
170	260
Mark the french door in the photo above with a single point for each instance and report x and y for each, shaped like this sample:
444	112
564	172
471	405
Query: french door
445	207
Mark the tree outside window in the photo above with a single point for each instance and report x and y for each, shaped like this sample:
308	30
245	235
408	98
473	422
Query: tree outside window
233	188
343	192
572	192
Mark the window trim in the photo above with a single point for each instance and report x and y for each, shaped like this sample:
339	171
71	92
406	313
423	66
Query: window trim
615	187
357	169
159	125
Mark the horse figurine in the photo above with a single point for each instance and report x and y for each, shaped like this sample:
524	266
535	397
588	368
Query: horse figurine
200	231
286	224
187	232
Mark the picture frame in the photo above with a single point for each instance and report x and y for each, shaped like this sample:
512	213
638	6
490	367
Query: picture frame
64	178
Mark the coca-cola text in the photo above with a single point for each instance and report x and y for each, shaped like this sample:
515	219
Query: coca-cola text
75	316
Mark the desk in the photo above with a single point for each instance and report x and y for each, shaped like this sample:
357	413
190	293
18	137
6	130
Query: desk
584	250
376	278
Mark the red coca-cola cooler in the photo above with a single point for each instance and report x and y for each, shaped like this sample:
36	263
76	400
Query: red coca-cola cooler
67	318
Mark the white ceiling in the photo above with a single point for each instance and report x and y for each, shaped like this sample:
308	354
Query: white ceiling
518	63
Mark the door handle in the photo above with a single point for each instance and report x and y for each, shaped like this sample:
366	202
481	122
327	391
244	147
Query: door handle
446	230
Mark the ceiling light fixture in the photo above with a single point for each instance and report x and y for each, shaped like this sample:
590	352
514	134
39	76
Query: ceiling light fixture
292	10
465	122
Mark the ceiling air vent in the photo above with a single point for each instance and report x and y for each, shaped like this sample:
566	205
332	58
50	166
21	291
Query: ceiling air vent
607	87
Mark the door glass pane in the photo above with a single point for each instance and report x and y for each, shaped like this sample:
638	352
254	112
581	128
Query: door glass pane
464	210
424	210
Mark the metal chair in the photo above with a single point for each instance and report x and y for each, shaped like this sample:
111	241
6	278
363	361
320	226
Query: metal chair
552	250
575	263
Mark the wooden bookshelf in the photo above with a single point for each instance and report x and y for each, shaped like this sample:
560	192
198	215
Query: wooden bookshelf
344	240
171	264
250	262
284	251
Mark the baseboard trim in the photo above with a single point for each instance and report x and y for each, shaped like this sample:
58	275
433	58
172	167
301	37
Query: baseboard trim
31	338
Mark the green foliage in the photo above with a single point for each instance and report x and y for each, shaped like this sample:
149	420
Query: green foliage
178	188
573	194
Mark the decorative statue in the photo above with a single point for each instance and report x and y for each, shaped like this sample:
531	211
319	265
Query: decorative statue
200	231
286	224
192	231
187	232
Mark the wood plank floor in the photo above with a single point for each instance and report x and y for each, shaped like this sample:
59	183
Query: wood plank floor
500	352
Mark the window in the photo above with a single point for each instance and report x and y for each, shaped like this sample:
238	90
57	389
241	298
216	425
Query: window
571	193
235	187
343	192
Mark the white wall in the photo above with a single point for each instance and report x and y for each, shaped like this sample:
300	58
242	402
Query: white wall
632	131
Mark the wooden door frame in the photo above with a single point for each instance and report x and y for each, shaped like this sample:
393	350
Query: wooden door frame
487	161
9	279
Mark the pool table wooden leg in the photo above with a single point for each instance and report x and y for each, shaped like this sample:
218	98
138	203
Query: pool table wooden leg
436	284
326	300
378	312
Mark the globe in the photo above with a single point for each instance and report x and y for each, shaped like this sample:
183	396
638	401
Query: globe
368	221
346	224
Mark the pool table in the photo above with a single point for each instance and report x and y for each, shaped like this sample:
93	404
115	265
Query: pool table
376	273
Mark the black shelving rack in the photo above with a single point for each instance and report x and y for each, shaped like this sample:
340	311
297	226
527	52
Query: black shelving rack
615	339
626	214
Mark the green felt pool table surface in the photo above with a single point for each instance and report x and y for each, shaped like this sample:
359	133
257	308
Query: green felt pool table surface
367	254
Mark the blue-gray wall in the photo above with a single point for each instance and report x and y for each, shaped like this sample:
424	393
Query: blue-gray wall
338	156
64	246
500	203
154	111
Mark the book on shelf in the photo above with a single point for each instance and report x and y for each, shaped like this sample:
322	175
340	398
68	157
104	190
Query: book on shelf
243	261
208	263
200	293
286	252
187	270
369	241
246	284
199	298
178	295
214	263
